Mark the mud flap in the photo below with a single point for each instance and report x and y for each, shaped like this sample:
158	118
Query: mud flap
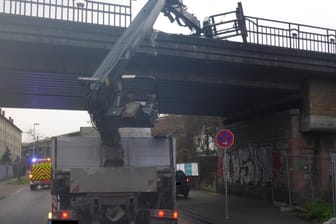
63	222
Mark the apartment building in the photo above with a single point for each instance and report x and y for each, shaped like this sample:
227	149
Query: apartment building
10	136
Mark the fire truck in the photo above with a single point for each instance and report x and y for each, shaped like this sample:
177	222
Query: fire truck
40	173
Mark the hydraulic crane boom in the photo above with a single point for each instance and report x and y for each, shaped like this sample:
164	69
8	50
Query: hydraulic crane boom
139	29
133	35
109	103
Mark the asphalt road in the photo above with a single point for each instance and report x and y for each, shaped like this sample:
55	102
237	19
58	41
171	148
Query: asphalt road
25	206
185	219
31	207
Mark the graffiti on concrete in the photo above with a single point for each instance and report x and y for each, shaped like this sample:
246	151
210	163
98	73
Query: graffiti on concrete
250	164
205	144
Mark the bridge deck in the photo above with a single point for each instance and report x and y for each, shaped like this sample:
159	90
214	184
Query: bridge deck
42	59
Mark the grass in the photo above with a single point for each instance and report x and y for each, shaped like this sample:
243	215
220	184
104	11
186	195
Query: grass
319	211
22	181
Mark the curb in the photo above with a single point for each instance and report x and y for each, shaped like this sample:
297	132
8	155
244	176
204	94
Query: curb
197	217
7	179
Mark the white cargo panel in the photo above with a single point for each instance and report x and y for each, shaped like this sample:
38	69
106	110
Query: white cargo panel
85	151
135	132
77	152
146	151
113	179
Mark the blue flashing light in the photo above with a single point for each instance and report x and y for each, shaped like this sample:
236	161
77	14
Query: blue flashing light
34	160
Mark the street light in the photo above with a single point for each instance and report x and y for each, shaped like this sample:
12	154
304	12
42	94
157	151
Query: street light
34	133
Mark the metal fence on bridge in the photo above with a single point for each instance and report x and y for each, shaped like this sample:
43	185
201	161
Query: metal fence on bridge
236	26
233	25
290	35
83	11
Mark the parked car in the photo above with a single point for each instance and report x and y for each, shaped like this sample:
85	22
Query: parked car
182	184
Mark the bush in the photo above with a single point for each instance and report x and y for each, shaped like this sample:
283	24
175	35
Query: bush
318	210
22	181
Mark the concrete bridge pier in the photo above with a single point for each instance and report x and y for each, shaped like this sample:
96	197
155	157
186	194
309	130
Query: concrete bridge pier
318	122
319	111
302	138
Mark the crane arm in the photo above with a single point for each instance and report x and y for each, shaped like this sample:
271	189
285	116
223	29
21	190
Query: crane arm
141	27
114	101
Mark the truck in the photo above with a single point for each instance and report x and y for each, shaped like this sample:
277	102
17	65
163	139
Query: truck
40	173
142	191
120	176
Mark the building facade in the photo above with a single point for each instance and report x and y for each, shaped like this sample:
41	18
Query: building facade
10	136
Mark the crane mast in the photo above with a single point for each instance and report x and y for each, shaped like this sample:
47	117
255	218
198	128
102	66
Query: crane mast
110	104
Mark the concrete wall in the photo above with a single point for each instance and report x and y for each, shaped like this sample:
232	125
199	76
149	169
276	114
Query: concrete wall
256	140
250	164
319	111
6	171
321	97
258	159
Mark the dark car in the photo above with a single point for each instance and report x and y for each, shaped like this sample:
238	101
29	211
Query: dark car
182	184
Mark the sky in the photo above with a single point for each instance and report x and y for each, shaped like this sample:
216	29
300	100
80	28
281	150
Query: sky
318	13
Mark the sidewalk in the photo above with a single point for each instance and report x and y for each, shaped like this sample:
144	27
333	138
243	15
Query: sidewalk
210	208
8	189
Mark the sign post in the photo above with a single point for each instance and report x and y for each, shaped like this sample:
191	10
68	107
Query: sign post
224	140
225	184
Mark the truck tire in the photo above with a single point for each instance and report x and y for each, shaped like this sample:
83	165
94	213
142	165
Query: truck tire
186	194
142	217
32	187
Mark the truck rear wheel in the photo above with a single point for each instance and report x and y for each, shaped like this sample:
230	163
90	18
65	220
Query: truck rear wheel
32	187
142	217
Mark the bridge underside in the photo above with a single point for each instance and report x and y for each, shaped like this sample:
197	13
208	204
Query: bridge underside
56	91
44	76
42	60
183	87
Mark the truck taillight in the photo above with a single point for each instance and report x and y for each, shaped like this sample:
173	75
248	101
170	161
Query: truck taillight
164	213
30	176
65	215
161	213
175	215
62	215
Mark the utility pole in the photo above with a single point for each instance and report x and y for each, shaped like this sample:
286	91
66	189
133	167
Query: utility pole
34	136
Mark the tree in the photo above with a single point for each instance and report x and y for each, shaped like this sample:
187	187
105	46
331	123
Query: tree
185	129
33	136
6	156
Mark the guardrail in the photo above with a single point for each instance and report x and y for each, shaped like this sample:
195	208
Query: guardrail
237	27
290	35
83	11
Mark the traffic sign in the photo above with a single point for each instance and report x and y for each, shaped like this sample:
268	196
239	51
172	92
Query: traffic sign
224	139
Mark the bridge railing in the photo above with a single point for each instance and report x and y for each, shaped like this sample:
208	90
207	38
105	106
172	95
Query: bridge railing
83	11
290	35
235	26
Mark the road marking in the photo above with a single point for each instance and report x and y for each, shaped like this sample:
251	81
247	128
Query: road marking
21	189
195	216
17	191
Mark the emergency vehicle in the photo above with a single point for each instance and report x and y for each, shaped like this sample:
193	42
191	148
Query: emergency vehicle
40	173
